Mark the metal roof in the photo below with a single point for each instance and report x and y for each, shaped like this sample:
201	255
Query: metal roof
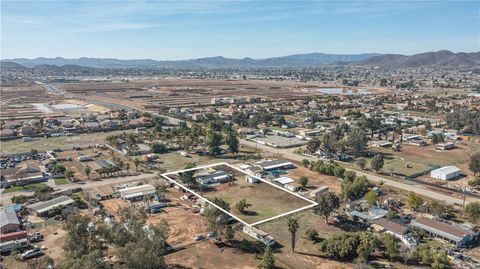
274	164
45	206
284	180
441	228
446	170
8	216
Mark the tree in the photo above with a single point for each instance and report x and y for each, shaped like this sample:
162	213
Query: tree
377	162
136	162
33	152
328	142
414	201
474	164
88	171
361	162
213	141
217	220
473	212
187	176
357	141
311	234
371	197
232	142
436	138
440	261
292	224
229	233
305	163
327	204
158	148
390	243
268	261
436	208
69	174
303	180
313	145
242	205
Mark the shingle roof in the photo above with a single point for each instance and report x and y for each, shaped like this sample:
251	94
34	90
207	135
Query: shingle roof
392	226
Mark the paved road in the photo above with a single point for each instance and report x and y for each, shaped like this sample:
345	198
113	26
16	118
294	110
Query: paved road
415	187
6	198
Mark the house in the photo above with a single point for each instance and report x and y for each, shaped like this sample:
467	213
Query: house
317	192
283	181
293	187
456	234
100	193
445	146
218	176
137	193
259	235
100	165
372	214
445	173
275	165
41	209
9	220
397	229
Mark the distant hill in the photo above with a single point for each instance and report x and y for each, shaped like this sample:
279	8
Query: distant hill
440	59
443	59
11	66
297	60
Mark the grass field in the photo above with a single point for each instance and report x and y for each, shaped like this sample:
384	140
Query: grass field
60	181
266	201
30	187
406	168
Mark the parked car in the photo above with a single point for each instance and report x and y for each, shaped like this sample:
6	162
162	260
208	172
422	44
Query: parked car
31	253
35	237
199	237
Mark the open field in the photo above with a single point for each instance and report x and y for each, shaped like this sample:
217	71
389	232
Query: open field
154	94
28	188
266	201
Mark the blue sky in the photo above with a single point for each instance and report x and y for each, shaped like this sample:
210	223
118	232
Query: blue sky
258	29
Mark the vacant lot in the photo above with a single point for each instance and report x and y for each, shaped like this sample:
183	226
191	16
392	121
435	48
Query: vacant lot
265	200
207	255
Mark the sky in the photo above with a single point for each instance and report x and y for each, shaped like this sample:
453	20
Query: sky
172	30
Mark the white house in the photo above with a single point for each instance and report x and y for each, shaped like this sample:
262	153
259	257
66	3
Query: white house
260	235
218	176
445	173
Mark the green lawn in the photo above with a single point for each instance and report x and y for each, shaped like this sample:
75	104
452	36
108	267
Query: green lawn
61	181
31	187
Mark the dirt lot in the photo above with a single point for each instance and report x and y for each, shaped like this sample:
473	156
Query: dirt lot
54	239
206	255
315	179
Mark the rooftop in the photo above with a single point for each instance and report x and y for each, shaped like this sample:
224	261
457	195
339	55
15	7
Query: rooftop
8	216
446	169
45	206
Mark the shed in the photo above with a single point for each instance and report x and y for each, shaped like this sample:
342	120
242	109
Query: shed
445	173
137	193
282	181
42	208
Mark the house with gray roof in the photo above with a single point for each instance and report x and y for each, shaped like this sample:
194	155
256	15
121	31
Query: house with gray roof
9	220
41	209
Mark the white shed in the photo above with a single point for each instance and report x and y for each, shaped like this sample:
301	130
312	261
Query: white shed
445	173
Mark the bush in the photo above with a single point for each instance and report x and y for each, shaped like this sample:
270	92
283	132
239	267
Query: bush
312	234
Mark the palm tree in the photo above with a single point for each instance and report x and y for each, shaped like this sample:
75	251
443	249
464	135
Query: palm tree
292	224
136	162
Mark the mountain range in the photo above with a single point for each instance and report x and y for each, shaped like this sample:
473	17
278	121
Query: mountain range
439	59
